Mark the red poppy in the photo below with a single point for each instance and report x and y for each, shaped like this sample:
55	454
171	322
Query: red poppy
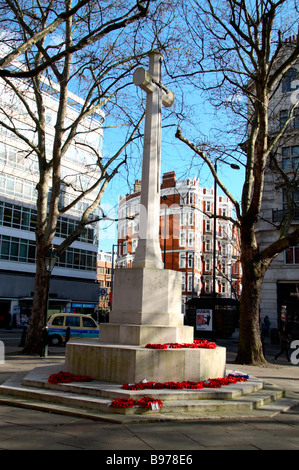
204	344
123	403
66	377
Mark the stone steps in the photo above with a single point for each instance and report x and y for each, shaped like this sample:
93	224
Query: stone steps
93	399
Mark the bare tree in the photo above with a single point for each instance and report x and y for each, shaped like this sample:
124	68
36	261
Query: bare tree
51	48
242	53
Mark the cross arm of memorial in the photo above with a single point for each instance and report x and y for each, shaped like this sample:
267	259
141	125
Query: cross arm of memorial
146	82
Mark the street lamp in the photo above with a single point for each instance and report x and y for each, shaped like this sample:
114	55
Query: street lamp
112	273
165	215
233	167
50	260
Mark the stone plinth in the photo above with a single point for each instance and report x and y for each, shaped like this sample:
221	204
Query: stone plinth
130	364
146	309
143	294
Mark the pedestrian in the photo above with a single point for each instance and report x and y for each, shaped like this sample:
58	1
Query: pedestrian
263	342
266	326
284	340
67	335
23	337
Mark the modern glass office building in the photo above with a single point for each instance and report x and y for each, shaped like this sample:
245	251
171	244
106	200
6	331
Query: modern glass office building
73	284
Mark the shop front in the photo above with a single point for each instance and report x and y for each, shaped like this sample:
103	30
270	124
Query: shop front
287	308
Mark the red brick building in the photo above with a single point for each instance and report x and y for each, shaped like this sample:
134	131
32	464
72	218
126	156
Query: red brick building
104	272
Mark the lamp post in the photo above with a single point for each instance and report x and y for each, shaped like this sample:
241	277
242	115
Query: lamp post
112	273
50	260
233	167
165	215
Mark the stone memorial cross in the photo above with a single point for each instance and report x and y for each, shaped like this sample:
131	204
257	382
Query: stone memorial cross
147	305
148	252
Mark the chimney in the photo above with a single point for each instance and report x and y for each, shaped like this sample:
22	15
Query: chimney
137	186
168	180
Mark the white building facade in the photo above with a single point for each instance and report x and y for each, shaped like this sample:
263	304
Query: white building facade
73	279
280	289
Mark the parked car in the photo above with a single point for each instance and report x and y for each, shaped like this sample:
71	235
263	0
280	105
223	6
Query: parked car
74	325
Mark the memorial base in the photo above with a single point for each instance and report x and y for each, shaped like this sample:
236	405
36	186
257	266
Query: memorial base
131	364
146	309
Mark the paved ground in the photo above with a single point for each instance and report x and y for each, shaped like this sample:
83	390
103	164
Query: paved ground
25	429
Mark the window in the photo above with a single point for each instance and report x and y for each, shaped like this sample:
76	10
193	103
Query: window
134	244
183	238
191	218
190	283
190	260
292	255
72	321
58	321
183	218
290	157
7	215
208	225
4	252
182	260
23	250
183	198
290	81
88	322
49	116
14	249
208	245
15	216
17	187
295	198
190	238
284	116
15	158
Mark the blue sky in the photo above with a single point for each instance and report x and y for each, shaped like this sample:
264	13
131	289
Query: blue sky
175	156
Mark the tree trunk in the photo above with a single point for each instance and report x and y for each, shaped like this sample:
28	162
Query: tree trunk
250	346
38	319
250	349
